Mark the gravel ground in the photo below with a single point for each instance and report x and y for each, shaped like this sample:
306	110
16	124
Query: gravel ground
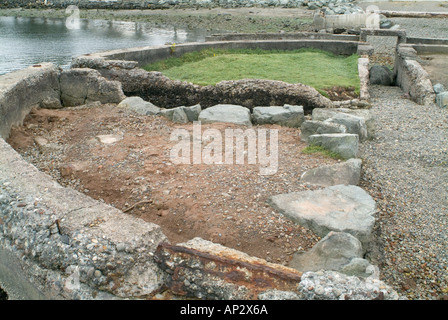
406	169
423	28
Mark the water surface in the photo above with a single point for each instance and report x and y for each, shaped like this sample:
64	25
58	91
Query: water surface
27	41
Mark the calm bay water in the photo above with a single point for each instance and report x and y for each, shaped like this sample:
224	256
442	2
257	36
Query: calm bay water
27	41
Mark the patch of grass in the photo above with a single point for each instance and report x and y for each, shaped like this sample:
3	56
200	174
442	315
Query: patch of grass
316	68
321	150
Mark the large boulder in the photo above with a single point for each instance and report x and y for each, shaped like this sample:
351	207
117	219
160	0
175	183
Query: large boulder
337	208
140	106
311	127
347	172
381	75
83	85
354	124
344	144
227	113
288	116
336	251
366	115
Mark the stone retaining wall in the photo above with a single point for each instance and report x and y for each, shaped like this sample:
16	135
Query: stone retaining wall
411	77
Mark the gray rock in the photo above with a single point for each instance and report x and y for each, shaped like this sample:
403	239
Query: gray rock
348	173
381	75
192	112
442	99
358	267
366	115
333	252
438	88
353	123
227	113
288	116
344	144
50	103
176	114
83	85
179	115
337	208
311	127
140	106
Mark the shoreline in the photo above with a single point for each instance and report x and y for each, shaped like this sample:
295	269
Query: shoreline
246	20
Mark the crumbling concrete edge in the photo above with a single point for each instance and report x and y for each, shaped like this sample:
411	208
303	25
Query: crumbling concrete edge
411	77
364	79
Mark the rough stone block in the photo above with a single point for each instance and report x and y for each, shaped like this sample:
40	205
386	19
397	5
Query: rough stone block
353	123
288	116
227	113
83	85
344	144
311	127
140	106
348	173
337	208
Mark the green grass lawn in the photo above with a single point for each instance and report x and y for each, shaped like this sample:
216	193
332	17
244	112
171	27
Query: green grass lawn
318	69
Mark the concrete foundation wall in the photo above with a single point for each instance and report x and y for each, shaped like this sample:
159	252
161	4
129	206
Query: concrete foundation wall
411	77
145	55
55	242
24	89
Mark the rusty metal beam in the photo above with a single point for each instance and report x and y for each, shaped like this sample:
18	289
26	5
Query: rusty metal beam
190	268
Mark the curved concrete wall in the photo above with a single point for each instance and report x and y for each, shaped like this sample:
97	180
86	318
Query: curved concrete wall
56	242
145	55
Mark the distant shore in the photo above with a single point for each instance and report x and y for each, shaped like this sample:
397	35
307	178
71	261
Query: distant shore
230	20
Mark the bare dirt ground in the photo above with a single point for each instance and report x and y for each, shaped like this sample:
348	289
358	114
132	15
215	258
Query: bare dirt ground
223	203
436	66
